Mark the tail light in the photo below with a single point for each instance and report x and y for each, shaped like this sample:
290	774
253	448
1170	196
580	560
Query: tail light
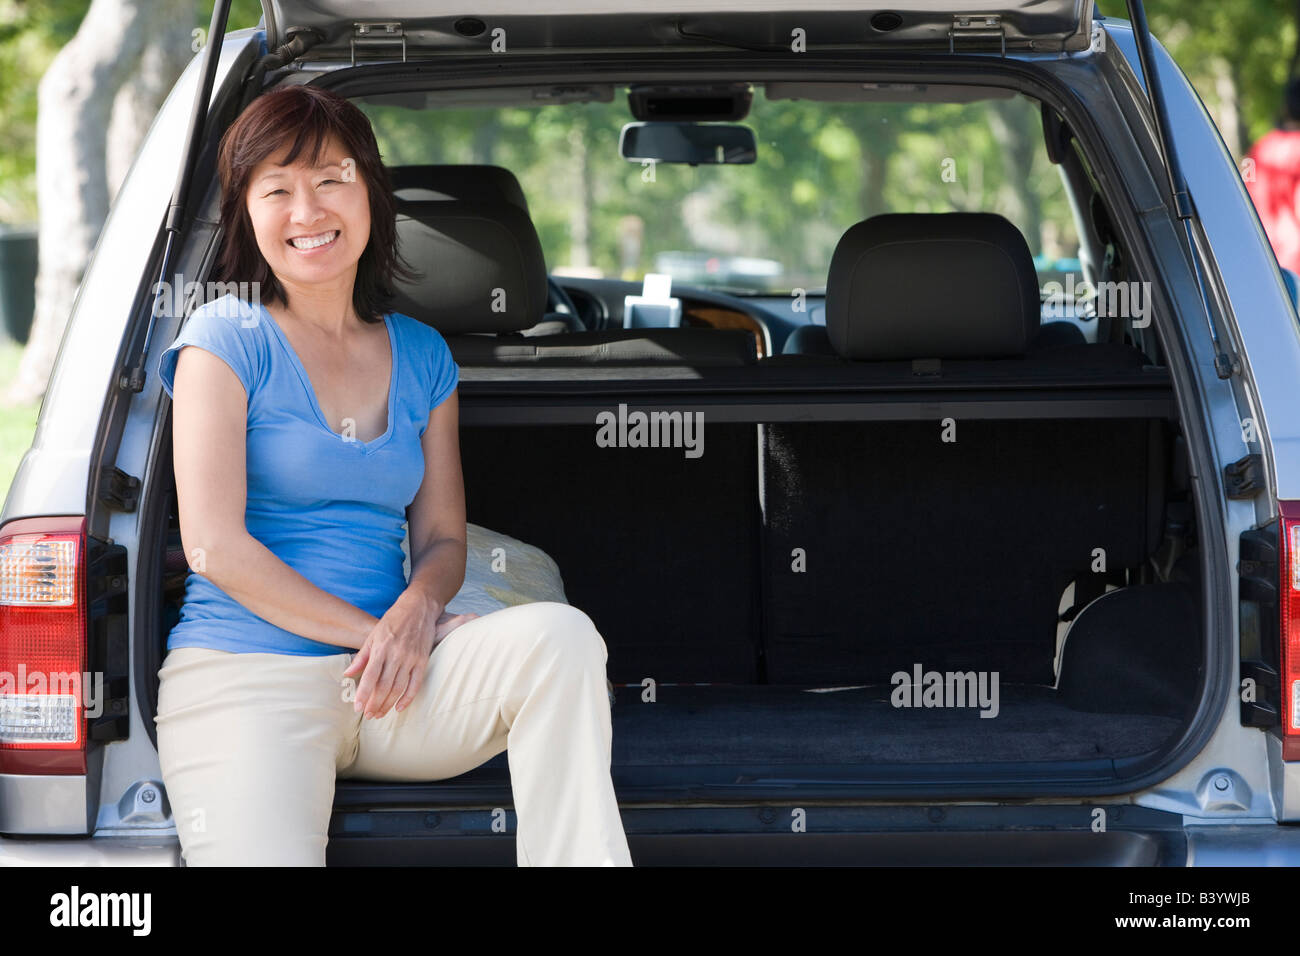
45	686
1289	625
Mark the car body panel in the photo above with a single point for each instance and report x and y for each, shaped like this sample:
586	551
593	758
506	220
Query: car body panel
1261	306
128	850
1262	325
1237	751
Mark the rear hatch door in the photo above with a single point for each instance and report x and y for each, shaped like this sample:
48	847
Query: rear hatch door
400	29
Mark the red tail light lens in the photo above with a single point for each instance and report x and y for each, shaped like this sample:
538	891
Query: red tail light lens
45	688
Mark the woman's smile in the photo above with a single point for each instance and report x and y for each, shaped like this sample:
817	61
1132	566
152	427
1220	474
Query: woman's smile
315	243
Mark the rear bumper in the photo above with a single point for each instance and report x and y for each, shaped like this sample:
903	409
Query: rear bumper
1257	845
48	803
702	837
153	850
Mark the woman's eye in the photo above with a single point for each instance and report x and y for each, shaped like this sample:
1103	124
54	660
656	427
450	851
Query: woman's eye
274	191
323	182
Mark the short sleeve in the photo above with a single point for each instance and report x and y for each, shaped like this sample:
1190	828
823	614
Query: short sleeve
225	336
446	373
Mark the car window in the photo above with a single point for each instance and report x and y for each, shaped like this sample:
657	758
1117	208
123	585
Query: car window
768	227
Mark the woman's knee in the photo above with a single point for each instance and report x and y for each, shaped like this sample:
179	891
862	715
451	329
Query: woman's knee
569	630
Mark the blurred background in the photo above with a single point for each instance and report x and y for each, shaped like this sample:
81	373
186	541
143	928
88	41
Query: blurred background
81	80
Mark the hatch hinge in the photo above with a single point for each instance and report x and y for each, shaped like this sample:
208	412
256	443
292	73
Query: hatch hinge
118	490
377	33
973	26
1245	476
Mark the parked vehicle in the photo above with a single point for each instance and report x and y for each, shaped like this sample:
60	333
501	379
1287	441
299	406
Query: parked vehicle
948	563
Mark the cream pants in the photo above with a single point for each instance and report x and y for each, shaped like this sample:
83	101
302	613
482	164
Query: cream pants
250	745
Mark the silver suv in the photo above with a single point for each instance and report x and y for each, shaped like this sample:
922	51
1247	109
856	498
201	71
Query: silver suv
996	531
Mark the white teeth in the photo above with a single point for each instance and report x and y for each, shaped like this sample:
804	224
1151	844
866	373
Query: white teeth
324	239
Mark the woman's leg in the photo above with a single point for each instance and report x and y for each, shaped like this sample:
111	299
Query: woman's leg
249	745
530	680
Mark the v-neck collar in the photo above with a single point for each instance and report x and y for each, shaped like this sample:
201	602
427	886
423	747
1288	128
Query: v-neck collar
300	369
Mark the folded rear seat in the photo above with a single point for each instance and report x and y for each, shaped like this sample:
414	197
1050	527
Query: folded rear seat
885	546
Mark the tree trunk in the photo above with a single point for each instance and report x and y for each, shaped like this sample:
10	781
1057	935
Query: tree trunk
485	142
581	217
877	142
76	102
1227	112
167	50
1020	139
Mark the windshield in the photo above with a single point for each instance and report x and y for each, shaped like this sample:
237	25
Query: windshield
769	227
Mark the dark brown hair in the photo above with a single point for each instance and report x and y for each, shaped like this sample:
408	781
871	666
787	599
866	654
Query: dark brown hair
263	128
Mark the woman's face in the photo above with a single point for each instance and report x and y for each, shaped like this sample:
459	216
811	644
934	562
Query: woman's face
311	224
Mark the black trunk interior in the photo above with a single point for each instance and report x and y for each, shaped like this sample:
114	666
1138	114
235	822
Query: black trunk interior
758	600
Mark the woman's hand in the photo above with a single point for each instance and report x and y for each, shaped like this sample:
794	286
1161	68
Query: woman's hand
395	654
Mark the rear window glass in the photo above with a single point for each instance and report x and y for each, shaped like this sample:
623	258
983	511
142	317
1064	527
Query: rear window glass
763	228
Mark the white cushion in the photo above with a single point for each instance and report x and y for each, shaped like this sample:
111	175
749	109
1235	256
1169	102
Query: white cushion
500	572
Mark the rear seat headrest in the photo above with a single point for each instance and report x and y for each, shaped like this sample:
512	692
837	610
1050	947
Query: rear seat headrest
482	265
932	285
466	182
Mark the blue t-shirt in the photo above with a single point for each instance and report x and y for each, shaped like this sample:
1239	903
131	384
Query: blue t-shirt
329	506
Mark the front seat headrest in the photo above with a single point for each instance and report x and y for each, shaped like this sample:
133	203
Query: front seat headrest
957	285
482	264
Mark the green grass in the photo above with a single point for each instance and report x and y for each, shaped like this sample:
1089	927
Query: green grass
17	425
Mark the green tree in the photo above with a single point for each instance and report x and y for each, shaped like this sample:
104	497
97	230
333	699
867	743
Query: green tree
1237	54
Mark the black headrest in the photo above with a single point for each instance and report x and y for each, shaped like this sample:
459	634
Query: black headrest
482	265
932	285
468	183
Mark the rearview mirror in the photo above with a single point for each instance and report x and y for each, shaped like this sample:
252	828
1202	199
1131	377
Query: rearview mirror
692	143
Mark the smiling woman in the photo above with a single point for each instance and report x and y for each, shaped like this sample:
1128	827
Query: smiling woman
310	430
262	185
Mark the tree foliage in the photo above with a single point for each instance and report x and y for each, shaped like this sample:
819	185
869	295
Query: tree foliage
31	33
821	167
1238	54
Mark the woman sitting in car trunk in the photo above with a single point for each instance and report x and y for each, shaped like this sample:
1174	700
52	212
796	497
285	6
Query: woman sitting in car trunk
309	423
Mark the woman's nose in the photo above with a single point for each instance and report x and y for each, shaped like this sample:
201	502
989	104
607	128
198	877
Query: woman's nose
306	208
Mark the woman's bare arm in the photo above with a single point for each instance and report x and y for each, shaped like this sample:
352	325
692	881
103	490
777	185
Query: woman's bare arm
209	425
436	516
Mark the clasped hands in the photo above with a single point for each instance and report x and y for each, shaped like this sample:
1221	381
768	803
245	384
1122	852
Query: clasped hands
394	656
